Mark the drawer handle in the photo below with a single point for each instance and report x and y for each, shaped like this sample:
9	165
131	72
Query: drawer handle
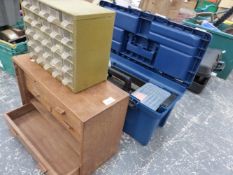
67	125
60	111
36	94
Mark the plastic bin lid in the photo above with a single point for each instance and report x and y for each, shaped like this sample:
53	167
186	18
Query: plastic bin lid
166	48
151	95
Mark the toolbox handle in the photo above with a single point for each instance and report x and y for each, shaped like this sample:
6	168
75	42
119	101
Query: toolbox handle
220	66
127	80
132	102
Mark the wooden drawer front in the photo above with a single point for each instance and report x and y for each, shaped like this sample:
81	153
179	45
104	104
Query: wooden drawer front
59	111
57	141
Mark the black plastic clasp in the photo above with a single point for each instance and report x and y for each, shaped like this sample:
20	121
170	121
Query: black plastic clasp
133	102
126	79
220	66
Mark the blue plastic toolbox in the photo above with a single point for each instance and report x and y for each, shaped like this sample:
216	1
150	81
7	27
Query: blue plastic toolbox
153	50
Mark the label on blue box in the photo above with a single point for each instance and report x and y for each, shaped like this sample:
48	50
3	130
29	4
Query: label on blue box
151	95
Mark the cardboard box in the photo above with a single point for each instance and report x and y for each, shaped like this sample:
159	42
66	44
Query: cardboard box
226	3
168	8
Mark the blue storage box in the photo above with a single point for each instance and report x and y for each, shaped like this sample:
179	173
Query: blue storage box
152	49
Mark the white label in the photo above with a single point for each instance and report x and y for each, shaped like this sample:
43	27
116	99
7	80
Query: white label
108	101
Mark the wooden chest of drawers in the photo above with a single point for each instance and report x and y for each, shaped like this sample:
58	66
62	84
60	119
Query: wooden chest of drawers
66	133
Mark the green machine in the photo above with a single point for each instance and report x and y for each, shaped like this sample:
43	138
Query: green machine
207	5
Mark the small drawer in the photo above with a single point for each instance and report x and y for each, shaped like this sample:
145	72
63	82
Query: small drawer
67	67
31	43
47	55
45	26
36	22
67	79
56	62
53	105
67	54
67	120
36	91
26	4
28	16
40	60
67	38
35	6
56	32
67	21
46	42
29	31
54	16
44	10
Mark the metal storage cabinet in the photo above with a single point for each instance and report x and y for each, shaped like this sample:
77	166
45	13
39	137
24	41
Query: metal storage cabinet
72	40
152	49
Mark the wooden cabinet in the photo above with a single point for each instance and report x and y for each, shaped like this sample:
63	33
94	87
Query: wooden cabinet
66	133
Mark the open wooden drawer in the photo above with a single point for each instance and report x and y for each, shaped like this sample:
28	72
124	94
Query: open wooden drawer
55	149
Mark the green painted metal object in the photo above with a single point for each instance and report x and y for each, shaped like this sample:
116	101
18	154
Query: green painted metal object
220	40
8	50
207	5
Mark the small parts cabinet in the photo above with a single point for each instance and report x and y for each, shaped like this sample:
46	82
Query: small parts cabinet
67	133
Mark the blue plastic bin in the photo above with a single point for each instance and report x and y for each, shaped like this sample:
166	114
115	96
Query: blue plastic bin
153	49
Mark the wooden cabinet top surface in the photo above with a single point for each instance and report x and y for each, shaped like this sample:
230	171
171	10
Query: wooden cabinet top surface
86	104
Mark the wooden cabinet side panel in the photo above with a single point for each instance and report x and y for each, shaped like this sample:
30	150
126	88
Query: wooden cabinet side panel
102	135
25	95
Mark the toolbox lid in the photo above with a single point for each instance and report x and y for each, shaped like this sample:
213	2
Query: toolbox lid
154	43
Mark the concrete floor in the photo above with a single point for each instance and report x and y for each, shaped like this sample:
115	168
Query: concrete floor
197	139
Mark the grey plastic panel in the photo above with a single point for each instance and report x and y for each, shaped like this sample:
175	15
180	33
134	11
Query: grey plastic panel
9	12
